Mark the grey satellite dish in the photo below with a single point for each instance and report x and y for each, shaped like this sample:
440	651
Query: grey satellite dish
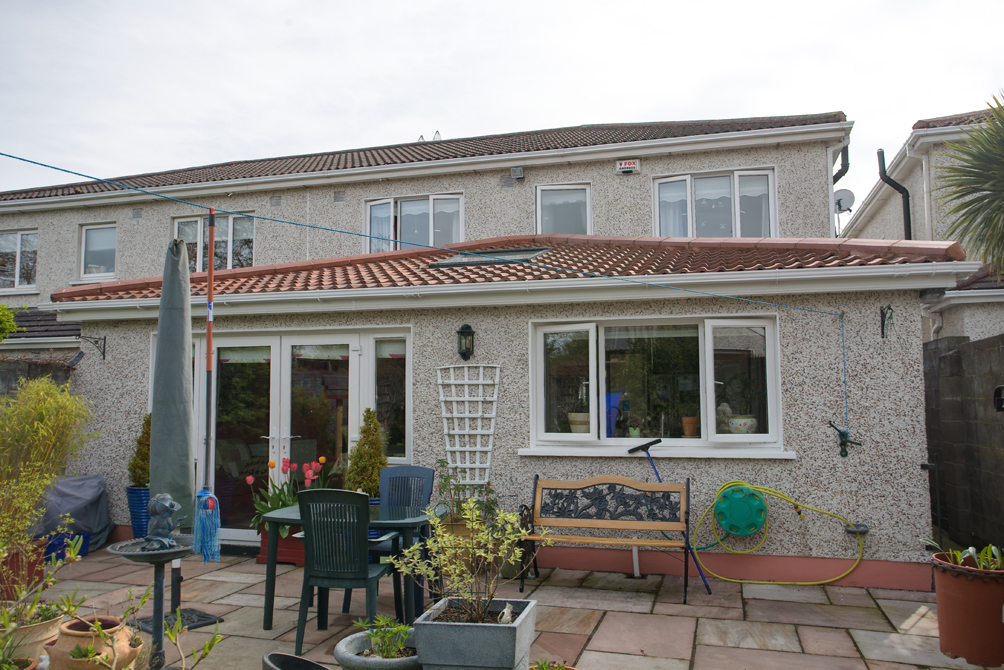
844	200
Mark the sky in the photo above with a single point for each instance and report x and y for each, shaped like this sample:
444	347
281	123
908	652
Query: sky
117	88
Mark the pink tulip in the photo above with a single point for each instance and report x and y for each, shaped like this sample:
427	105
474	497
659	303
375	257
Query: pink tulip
249	479
285	468
307	483
293	466
308	473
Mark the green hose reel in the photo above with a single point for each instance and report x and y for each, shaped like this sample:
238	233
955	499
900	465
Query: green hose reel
740	511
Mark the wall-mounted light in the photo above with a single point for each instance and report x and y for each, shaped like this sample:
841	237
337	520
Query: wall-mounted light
465	342
516	173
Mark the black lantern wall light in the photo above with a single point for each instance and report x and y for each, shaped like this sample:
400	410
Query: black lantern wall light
465	342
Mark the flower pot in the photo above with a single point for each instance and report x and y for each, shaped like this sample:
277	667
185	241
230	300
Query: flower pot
970	603
290	549
22	568
26	663
578	422
442	644
691	426
31	639
347	654
139	498
742	424
277	661
76	632
634	432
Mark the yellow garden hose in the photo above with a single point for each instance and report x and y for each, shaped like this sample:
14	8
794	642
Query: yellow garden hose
798	507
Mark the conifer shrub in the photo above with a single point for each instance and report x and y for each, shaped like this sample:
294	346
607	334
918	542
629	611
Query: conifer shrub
139	465
368	458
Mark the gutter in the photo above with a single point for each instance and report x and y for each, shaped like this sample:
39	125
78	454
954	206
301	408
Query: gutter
40	343
824	132
969	297
914	277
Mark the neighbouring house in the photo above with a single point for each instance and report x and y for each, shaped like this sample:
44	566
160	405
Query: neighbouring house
630	276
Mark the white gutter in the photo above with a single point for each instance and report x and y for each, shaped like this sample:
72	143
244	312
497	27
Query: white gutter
913	276
970	297
40	343
824	132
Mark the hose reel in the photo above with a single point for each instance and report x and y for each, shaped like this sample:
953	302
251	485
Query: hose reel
740	510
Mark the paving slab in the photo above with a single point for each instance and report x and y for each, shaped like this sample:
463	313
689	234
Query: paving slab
617	601
246	622
312	636
567	620
811	614
827	641
896	594
231	576
912	618
79	569
596	660
717	658
215	609
723	594
243	653
204	590
287	585
511	590
323	652
252	567
562	647
89	589
617	581
786	592
545	573
566	578
645	635
852	596
253	600
113	571
886	665
748	635
192	639
910	649
698	611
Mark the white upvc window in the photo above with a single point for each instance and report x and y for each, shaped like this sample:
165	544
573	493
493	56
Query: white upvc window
692	382
18	259
564	209
234	241
733	204
406	222
97	251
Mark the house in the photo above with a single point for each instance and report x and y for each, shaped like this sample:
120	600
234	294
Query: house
627	276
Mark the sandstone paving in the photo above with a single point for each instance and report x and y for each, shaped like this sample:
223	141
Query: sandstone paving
216	609
287	585
911	618
748	635
597	660
826	641
708	612
561	647
812	614
616	581
112	572
888	665
253	600
911	649
246	622
645	635
567	619
83	588
192	639
567	578
619	601
896	594
255	568
719	658
511	591
312	636
849	595
723	594
243	653
323	652
231	576
79	569
204	590
786	592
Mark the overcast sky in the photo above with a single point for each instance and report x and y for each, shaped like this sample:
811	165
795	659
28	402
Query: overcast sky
119	88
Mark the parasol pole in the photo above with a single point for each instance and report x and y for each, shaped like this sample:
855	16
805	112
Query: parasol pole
207	513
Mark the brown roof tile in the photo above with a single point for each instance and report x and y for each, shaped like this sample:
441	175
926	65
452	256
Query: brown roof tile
954	120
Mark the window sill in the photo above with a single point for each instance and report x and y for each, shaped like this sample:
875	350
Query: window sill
97	279
20	291
740	450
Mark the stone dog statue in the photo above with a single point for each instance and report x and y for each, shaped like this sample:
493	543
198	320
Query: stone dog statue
161	507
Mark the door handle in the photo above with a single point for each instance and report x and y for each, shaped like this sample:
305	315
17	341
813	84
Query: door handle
265	437
293	437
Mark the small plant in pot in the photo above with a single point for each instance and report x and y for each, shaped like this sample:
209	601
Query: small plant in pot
102	641
138	491
469	627
384	643
970	592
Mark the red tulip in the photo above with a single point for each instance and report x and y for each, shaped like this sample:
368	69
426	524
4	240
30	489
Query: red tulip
249	479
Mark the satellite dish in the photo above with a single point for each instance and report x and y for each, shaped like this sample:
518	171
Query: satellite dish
844	200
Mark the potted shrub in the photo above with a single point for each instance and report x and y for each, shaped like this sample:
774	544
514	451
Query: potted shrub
970	592
367	459
382	644
469	627
549	665
96	641
138	492
634	425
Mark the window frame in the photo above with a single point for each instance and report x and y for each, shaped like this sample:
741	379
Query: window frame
395	209
573	186
200	243
368	385
537	391
18	286
97	276
734	174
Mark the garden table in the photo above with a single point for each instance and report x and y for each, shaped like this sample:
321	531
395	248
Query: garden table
403	519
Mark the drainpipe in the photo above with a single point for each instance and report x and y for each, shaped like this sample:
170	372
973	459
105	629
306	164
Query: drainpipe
845	164
907	227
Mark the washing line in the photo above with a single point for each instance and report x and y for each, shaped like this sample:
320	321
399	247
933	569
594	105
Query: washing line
630	280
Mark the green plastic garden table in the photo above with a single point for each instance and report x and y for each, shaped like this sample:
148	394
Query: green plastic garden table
403	519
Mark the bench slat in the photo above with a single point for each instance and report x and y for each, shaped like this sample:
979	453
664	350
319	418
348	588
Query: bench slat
621	541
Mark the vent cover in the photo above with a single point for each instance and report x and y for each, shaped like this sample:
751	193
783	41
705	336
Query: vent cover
276	200
498	257
339	196
507	182
137	213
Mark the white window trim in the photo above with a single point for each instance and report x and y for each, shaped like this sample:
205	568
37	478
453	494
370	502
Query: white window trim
97	276
18	286
395	208
367	385
230	237
770	173
564	187
709	445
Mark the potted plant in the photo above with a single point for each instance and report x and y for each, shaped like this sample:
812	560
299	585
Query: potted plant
469	627
138	492
367	459
634	425
104	641
384	643
970	592
691	419
549	665
737	397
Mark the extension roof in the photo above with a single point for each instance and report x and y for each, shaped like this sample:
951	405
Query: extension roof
425	152
955	120
575	254
986	278
33	323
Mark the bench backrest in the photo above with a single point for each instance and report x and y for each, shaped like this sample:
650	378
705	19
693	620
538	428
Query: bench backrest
611	502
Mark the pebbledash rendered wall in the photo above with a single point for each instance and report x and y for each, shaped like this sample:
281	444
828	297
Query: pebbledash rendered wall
621	205
880	483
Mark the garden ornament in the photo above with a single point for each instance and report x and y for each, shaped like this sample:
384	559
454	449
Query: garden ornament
161	507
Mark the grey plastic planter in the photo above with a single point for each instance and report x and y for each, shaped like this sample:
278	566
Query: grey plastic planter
346	653
443	645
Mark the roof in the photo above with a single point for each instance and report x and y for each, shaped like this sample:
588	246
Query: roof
424	152
34	323
983	279
954	120
576	255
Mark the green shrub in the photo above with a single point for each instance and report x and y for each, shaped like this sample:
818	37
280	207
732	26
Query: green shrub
367	459
139	464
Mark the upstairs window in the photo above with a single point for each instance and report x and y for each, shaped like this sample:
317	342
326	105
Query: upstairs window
404	223
195	233
564	209
736	204
18	254
97	252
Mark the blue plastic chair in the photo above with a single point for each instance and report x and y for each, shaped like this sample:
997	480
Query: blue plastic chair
335	525
401	486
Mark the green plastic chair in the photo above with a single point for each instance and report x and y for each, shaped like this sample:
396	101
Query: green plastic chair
335	525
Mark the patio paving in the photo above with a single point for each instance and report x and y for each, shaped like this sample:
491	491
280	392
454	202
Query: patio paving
592	620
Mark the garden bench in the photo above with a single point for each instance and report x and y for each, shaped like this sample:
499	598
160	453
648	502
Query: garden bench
608	503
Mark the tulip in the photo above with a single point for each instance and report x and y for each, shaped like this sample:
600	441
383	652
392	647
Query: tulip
322	460
271	464
249	479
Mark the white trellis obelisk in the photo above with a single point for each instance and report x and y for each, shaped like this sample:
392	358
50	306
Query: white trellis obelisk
468	395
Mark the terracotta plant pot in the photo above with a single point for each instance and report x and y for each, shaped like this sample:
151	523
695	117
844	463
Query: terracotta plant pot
73	633
33	637
970	603
290	549
26	663
691	426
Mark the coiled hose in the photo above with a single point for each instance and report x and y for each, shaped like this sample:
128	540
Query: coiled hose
766	526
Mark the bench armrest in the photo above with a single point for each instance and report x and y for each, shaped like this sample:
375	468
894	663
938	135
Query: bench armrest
392	535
